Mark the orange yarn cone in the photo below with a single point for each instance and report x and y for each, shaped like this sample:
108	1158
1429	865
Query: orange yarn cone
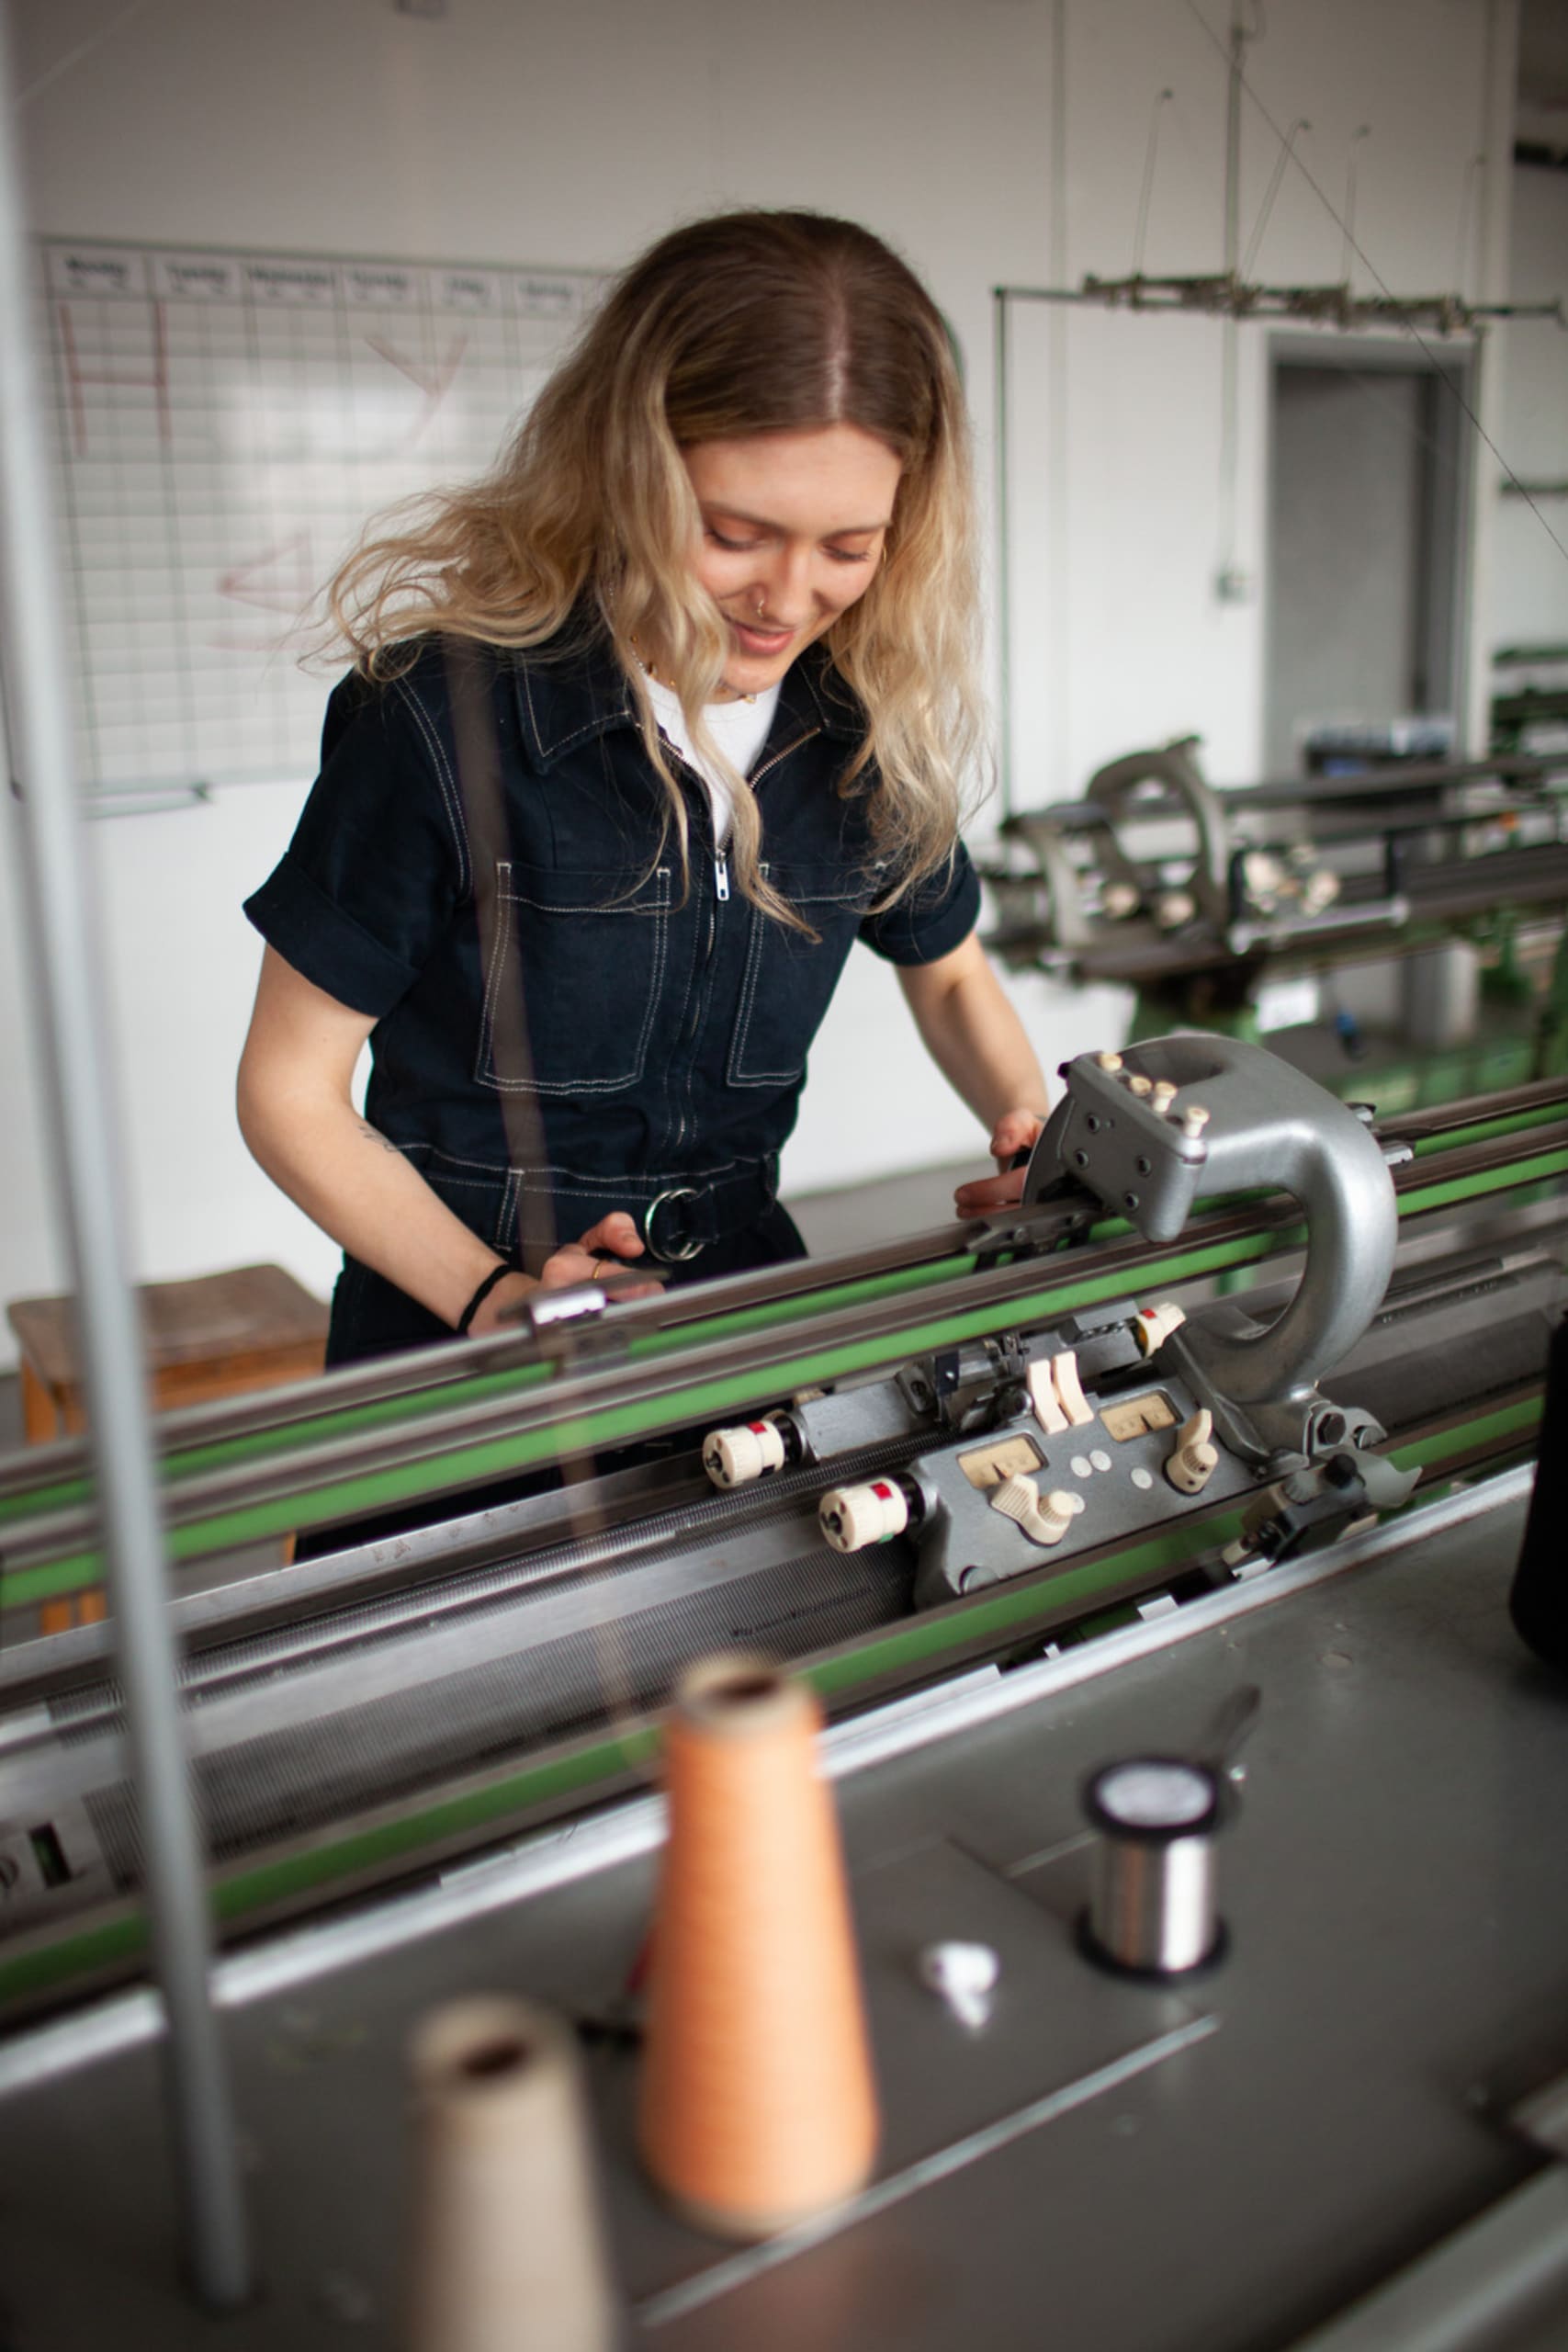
758	2107
507	2252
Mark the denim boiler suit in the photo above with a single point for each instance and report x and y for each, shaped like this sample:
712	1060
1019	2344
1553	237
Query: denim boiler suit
667	1026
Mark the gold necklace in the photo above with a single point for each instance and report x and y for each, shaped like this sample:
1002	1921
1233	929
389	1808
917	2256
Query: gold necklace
646	666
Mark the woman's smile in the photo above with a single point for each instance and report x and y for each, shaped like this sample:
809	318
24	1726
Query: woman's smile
761	644
792	531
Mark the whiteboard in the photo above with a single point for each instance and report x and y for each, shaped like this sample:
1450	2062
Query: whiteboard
226	424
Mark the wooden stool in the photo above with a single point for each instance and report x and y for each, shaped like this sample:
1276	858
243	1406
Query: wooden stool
254	1326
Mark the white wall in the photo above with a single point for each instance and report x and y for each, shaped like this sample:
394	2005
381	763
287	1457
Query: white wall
572	135
180	969
1529	597
1127	502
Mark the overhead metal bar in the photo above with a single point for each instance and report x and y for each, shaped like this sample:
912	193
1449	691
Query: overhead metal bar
1225	294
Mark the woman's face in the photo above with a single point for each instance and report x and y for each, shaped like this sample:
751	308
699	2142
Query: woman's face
792	526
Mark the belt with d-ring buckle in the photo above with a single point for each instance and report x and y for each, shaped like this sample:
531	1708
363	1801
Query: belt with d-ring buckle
675	1257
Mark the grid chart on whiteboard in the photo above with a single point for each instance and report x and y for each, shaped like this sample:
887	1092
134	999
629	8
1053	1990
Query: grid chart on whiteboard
227	424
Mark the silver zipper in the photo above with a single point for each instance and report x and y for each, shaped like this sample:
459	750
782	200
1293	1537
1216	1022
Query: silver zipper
783	754
721	863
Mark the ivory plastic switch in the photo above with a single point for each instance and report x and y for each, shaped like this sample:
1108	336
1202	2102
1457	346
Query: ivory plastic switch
1043	1398
1195	1457
1069	1389
1044	1519
1057	1511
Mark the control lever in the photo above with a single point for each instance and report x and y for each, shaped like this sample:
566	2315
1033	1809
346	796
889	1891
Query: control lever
1195	1457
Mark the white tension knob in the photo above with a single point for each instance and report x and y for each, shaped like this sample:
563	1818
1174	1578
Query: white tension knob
734	1457
852	1517
1152	1326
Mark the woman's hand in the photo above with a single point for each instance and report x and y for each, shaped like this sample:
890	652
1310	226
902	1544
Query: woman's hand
602	1248
1014	1132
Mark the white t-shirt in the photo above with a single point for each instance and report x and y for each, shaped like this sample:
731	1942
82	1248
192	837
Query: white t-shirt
738	728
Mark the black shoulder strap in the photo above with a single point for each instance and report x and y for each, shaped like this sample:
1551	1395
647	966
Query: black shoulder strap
469	676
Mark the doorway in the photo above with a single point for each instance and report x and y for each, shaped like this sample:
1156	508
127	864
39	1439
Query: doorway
1367	547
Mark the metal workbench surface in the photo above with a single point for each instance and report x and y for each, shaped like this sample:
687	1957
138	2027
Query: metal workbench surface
1211	2169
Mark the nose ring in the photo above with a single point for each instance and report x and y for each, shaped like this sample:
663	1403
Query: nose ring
761	606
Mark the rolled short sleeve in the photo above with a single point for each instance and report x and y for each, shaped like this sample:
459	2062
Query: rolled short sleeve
377	864
932	919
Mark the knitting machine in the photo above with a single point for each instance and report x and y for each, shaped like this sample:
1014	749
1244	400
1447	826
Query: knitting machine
1226	1426
1208	903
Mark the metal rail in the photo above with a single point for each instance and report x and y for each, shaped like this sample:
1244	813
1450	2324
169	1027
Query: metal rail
53	1476
462	1439
392	1841
1315	794
39	1477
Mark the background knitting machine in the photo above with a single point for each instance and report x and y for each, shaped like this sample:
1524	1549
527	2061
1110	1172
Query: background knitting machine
423	1762
1394	927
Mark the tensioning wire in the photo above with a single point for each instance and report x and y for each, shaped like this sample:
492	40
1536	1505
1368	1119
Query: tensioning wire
1233	66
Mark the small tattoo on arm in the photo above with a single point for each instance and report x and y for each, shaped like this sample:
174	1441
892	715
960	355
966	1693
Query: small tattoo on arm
374	1135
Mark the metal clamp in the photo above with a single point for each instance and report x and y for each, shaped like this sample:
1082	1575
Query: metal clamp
678	1256
1177	1120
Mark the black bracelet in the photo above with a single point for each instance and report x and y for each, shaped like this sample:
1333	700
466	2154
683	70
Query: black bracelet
483	1291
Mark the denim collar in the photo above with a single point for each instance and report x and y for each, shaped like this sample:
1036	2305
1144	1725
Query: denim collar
566	698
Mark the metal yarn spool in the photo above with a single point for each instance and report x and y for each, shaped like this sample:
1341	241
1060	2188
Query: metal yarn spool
1152	1910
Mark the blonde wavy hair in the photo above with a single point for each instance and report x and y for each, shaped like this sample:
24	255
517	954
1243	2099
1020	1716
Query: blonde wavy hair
750	322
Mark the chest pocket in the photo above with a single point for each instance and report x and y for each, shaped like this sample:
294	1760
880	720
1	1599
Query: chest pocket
789	980
588	953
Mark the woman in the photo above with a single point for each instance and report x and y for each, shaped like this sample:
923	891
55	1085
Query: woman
643	731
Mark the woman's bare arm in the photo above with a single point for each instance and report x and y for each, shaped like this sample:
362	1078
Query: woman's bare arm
976	1040
297	1114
